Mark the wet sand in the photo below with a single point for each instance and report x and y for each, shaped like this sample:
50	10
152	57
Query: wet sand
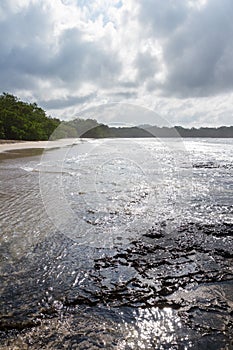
12	149
9	145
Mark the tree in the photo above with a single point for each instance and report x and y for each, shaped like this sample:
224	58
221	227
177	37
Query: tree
24	121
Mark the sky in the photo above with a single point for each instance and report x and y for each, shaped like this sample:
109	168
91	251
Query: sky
121	61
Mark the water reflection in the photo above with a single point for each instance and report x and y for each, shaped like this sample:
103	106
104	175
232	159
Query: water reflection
42	269
153	328
101	328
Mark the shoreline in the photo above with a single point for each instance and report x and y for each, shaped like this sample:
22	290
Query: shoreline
11	145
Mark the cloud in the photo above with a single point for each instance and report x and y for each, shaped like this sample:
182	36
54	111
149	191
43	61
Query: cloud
80	61
65	102
24	32
163	17
173	57
147	65
197	45
123	95
123	113
32	49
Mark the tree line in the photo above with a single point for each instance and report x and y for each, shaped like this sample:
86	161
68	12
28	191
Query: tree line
27	121
24	121
154	131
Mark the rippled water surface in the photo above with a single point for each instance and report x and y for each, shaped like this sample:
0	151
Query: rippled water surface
117	244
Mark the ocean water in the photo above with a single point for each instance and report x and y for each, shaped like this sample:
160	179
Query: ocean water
118	244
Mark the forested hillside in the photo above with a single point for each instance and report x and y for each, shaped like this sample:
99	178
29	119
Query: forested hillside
24	121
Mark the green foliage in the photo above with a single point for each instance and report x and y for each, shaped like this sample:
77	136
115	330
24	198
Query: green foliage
90	128
24	121
77	128
63	131
99	131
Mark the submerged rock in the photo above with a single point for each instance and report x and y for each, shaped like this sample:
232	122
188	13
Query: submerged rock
187	269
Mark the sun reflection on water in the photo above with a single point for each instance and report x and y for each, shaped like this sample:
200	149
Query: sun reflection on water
153	328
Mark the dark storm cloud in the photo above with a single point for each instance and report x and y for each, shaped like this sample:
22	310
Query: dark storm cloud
197	45
29	50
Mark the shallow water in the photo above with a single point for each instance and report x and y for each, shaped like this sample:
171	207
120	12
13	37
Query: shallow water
118	244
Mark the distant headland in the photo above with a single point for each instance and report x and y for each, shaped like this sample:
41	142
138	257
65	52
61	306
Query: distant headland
27	121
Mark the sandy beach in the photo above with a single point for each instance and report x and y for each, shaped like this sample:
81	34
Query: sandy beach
10	145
